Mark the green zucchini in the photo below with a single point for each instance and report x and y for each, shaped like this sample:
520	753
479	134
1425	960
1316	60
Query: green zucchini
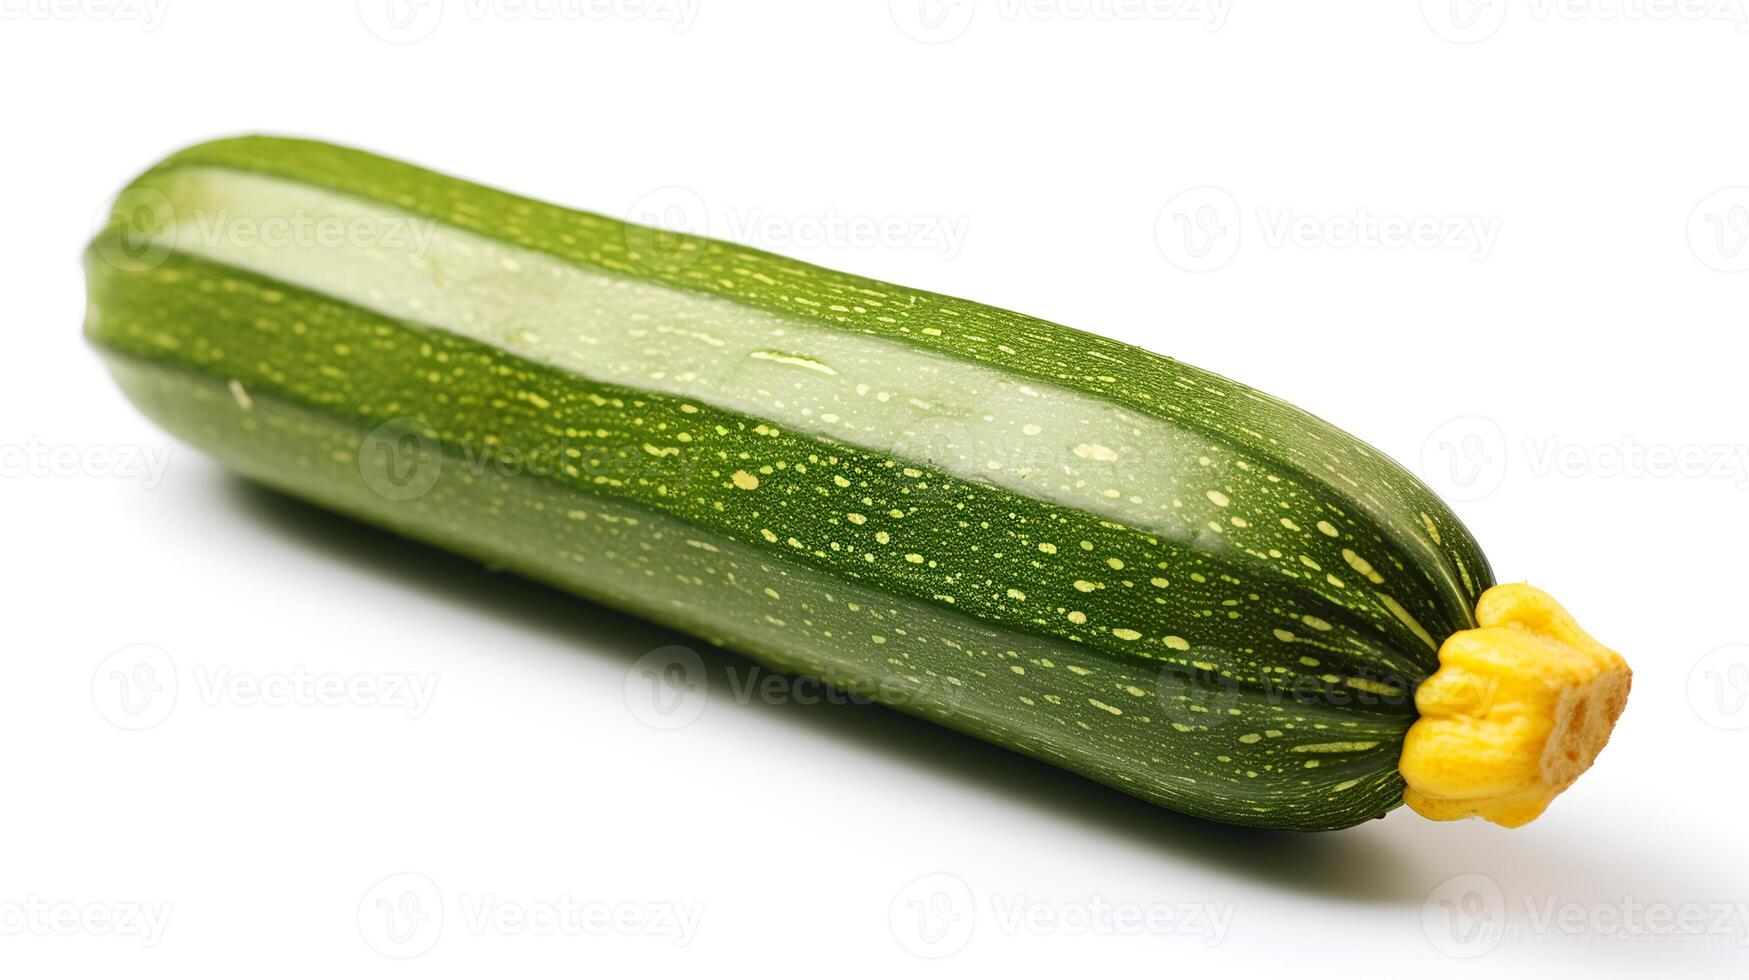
1088	553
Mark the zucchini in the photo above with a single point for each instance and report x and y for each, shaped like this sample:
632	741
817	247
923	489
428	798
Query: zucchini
1088	553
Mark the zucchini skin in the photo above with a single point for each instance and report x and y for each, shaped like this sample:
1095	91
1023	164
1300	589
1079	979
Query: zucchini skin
1242	645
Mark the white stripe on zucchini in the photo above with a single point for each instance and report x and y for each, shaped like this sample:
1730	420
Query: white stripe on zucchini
976	423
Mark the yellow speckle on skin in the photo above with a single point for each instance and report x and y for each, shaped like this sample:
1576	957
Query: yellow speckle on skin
792	361
1077	617
772	593
1315	623
1116	564
1362	566
914	558
1018	669
1329	529
745	480
1047	548
841	481
1124	634
1251	739
1101	705
240	395
855	518
1290	525
1094	451
768	535
1176	642
1158	583
1218	498
1408	619
1016	594
883	537
1284	636
1082	585
1334	747
1031	430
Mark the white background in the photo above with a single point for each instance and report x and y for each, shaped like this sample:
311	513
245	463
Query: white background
1562	356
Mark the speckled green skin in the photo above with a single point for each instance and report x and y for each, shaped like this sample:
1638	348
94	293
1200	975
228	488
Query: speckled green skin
1253	664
